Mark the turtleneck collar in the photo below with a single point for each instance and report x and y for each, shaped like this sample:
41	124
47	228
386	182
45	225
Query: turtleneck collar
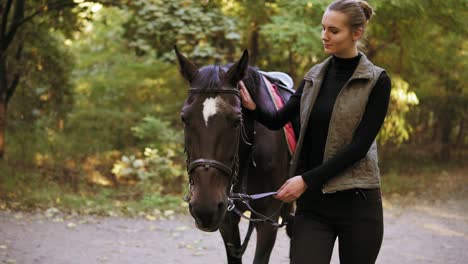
346	63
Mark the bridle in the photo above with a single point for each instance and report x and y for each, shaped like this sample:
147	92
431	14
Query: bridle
232	170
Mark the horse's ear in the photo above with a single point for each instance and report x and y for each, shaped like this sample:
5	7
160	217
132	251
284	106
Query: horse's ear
186	67
238	71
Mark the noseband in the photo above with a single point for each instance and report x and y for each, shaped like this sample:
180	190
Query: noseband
231	171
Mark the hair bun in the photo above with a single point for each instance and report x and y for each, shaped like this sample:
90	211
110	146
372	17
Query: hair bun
368	10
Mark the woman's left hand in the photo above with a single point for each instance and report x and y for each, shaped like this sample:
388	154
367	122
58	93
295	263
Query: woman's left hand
291	189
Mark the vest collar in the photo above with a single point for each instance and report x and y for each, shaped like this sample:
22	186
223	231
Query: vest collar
363	69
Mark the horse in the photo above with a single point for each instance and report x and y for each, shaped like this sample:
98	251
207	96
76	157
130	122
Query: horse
229	152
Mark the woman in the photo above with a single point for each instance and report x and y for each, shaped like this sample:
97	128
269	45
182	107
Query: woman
342	103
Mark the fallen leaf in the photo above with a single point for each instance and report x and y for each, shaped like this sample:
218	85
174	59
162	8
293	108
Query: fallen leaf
103	259
150	217
112	213
168	212
189	246
51	212
182	228
152	228
71	225
18	216
57	220
156	211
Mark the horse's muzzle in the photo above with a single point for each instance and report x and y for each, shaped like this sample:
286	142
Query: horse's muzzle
208	218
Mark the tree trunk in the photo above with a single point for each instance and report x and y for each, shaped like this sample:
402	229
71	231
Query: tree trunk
3	119
461	132
446	131
435	130
3	102
253	43
445	150
292	64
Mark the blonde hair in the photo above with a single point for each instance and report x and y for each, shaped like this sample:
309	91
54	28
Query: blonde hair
359	12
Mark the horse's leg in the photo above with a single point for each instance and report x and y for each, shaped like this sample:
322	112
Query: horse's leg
229	230
266	236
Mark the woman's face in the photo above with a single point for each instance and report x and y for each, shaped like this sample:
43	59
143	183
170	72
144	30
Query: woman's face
337	36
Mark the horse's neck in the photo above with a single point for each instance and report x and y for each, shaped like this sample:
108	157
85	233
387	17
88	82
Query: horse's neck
262	96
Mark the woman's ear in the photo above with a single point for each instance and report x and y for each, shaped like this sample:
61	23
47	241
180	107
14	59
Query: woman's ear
357	34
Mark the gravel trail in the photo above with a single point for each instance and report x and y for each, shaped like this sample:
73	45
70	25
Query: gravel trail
436	233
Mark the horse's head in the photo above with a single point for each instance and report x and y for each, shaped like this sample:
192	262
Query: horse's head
212	118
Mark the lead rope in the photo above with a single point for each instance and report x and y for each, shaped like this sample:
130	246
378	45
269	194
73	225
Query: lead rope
245	198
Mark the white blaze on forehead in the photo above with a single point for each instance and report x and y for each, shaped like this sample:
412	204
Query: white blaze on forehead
211	107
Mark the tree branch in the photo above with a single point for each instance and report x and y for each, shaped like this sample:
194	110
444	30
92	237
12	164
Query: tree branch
11	90
17	16
5	18
17	23
52	6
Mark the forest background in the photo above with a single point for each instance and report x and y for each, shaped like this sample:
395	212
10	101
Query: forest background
90	94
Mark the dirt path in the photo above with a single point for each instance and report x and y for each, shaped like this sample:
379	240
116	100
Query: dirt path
417	234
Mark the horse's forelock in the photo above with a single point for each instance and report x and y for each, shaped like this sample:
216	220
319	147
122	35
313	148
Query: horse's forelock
211	77
208	78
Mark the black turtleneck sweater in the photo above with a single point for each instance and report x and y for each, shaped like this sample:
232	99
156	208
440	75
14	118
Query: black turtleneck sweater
337	74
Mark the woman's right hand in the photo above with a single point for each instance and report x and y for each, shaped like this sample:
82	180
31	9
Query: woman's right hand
246	100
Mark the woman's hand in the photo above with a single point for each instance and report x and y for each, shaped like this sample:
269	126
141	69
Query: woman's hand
246	100
291	189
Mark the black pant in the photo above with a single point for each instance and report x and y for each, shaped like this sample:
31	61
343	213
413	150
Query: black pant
354	216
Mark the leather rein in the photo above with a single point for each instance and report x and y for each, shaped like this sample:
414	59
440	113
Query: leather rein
231	172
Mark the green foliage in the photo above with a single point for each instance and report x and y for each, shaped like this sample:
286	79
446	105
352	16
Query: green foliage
27	190
116	92
119	102
155	168
395	129
156	26
94	90
157	133
294	35
424	43
45	92
161	161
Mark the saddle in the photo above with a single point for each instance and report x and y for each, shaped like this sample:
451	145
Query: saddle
280	88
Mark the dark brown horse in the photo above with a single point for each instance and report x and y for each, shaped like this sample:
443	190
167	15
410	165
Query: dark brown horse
228	151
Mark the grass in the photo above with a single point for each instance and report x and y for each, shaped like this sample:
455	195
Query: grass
424	181
30	191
